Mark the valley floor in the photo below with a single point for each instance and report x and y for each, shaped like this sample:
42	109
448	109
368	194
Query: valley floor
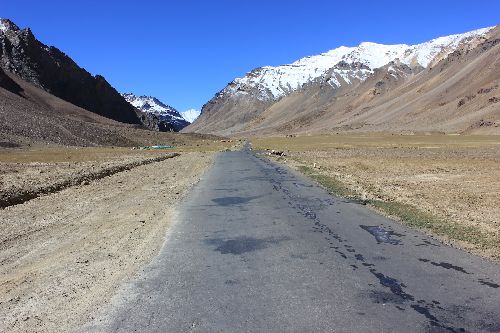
64	254
447	185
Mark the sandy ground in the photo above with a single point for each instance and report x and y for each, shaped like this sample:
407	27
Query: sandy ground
64	254
454	178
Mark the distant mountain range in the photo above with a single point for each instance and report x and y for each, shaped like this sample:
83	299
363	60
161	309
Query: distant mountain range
191	115
449	85
152	105
440	85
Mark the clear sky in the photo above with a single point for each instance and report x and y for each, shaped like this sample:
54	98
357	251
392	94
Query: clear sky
183	52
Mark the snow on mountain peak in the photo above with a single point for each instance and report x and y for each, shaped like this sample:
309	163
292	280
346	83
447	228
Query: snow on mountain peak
191	115
275	82
425	53
6	24
3	26
153	105
149	104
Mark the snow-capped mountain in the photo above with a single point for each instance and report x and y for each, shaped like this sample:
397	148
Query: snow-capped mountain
336	66
3	25
191	115
165	113
310	91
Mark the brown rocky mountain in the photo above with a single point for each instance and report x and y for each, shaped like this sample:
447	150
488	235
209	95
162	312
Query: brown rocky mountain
449	84
22	55
52	70
30	115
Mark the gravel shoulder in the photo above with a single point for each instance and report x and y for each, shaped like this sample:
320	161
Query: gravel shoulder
63	255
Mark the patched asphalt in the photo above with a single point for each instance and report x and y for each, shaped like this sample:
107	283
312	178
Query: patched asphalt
259	248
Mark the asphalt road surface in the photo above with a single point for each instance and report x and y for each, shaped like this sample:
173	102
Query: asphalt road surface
258	248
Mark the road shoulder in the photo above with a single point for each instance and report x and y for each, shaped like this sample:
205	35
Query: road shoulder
65	254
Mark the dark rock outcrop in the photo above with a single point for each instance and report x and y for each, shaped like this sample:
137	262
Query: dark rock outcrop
52	70
154	123
7	83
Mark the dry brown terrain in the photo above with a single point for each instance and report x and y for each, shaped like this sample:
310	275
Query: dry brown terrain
454	178
64	254
30	116
27	173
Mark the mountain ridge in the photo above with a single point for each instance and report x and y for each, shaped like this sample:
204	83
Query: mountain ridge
49	68
372	55
166	114
241	104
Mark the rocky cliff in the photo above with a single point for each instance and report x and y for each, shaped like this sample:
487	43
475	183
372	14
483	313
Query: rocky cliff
53	71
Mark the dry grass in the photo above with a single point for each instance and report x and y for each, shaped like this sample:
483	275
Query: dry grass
29	172
448	185
377	140
59	154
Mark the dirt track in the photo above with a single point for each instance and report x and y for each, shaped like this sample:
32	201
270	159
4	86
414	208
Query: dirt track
63	255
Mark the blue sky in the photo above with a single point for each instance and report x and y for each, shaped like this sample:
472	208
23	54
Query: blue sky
184	52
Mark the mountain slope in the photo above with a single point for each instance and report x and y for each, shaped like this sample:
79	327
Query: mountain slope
167	115
29	115
51	70
459	94
334	90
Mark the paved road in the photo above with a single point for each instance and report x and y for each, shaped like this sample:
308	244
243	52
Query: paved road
258	248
